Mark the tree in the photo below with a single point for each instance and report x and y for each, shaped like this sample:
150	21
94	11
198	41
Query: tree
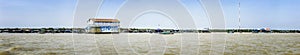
42	31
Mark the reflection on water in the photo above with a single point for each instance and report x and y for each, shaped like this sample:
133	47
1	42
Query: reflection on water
152	44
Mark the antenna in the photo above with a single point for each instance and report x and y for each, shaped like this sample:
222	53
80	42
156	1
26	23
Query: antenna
239	16
158	26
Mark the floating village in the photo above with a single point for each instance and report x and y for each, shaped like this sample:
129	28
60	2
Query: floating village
109	26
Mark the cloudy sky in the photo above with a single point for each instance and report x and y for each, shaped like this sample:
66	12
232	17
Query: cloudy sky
276	14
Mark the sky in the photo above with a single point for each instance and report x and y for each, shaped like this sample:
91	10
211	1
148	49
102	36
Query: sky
275	14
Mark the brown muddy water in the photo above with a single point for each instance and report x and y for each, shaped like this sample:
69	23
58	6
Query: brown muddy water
150	44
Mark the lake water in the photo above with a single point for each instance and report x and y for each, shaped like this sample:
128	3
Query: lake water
150	44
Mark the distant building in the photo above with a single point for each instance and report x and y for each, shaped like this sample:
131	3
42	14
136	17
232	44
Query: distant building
264	30
100	25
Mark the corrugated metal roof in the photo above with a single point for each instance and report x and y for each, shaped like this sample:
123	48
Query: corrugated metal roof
103	20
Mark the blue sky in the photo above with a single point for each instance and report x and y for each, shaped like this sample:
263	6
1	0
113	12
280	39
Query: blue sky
276	14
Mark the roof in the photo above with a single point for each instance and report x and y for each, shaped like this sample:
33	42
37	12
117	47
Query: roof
103	20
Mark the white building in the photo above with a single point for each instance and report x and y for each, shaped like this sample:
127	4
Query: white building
100	25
